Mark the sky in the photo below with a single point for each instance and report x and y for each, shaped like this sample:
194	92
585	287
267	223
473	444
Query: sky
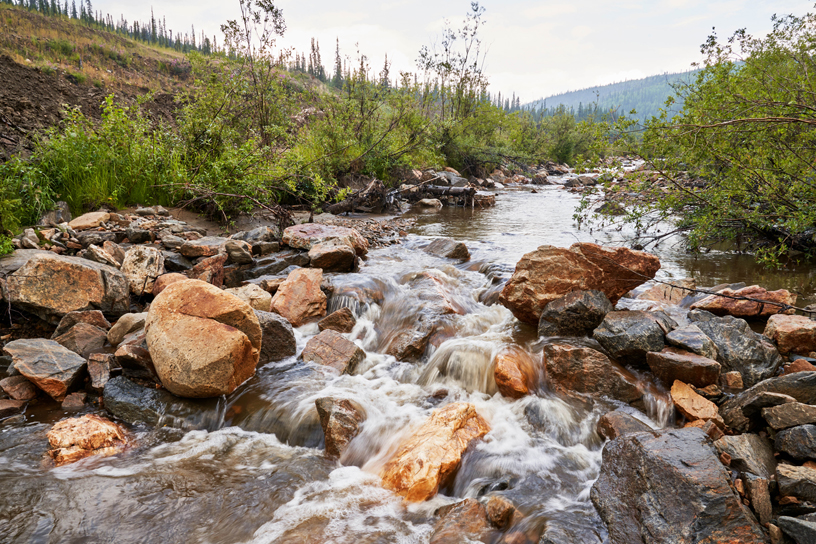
535	48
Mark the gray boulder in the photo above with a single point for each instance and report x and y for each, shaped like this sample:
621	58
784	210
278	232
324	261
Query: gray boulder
576	314
278	337
629	336
798	442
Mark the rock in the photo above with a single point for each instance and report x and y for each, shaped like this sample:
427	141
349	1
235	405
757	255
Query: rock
433	203
331	348
798	442
142	265
692	405
210	270
613	424
91	317
75	401
172	242
623	268
738	413
669	487
669	293
799	482
89	220
719	305
448	248
10	407
585	370
306	235
257	298
428	458
83	339
139	236
691	338
275	264
792	333
96	253
800	530
99	369
299	299
60	214
758	492
739	348
90	435
514	372
465	521
114	250
167	279
341	321
239	252
732	380
672	364
136	362
278	337
410	345
789	414
629	336
749	453
209	246
799	365
576	314
333	255
259	237
51	286
18	388
126	325
179	319
500	511
340	419
48	365
173	262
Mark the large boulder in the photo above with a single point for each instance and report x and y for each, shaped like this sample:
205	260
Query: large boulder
333	255
299	298
278	337
623	268
726	305
48	365
141	267
80	437
340	419
669	487
50	286
204	342
330	348
789	414
585	370
671	364
743	410
629	335
792	333
306	235
428	458
576	314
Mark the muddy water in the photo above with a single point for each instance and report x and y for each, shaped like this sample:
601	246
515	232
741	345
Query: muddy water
249	468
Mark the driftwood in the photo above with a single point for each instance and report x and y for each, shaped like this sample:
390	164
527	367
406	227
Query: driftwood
371	199
375	199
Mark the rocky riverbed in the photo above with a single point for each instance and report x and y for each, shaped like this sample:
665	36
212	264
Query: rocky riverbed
344	381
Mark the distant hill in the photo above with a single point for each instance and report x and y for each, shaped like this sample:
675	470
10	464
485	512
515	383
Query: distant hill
645	95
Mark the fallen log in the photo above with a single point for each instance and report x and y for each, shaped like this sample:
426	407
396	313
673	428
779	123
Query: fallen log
373	199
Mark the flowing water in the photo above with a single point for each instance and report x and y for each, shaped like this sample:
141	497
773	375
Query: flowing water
250	467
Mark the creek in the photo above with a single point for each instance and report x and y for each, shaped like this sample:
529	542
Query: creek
250	467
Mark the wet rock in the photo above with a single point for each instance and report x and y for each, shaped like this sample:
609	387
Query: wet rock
278	337
792	333
672	364
691	338
209	246
48	365
669	486
210	270
692	405
669	293
51	286
576	314
141	267
18	388
798	442
333	255
99	369
623	268
465	521
500	511
799	482
90	435
585	370
239	252
126	325
136	362
91	317
341	321
253	295
306	235
800	530
259	238
741	412
299	299
167	279
83	339
629	336
340	419
739	348
75	401
89	220
433	203
179	319
789	414
278	263
514	372
175	262
429	457
9	407
448	248
331	348
410	345
719	305
613	424
749	453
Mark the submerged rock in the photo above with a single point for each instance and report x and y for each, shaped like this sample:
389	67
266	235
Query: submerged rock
448	248
340	419
299	298
576	314
48	365
464	521
90	435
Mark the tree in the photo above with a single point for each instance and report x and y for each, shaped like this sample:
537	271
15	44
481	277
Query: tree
337	78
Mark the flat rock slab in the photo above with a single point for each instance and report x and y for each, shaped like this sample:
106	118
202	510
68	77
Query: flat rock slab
790	414
731	305
613	424
208	246
48	365
796	481
307	235
692	405
332	349
672	364
691	338
89	220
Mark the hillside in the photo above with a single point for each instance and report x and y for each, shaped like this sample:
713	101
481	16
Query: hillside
646	96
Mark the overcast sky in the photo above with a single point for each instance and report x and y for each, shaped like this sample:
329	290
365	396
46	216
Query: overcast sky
536	48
